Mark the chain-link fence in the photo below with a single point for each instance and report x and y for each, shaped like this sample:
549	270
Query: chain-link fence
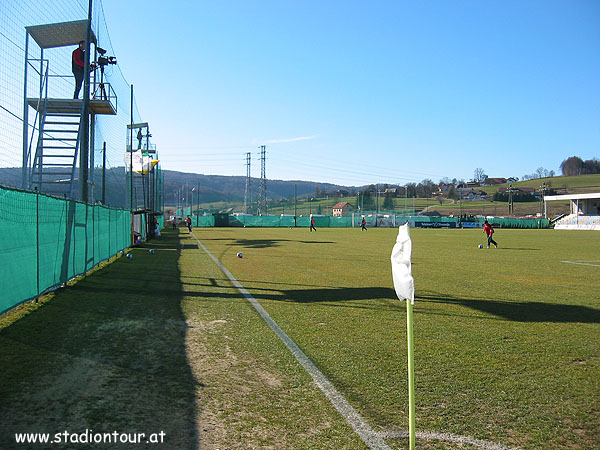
107	176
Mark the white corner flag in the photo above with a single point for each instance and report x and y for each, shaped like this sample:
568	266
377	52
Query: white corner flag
405	290
401	266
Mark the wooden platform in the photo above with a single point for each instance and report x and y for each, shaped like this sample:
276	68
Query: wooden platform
66	105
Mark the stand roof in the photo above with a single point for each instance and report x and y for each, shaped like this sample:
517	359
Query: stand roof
59	34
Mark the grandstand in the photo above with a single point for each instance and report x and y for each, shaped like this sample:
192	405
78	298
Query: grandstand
584	211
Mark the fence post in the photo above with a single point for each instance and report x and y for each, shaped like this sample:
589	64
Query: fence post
37	242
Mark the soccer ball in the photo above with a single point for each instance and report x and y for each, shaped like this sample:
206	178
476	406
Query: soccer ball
129	256
239	255
480	245
151	251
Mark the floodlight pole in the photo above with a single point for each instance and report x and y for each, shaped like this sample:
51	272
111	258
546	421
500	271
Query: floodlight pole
104	173
25	180
131	152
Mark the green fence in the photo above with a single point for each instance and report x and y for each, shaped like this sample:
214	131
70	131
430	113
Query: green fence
373	220
46	241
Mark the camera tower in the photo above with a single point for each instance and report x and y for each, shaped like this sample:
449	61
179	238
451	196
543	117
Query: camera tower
58	132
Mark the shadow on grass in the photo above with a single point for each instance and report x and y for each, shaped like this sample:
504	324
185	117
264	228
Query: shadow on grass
107	354
266	243
515	311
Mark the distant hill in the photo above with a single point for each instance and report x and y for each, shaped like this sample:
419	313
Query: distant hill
219	188
578	184
213	188
231	189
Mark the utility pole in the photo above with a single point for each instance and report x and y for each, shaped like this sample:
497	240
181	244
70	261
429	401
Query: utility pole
511	208
262	193
543	188
295	211
248	194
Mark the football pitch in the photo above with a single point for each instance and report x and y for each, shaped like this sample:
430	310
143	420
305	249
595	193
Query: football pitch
507	342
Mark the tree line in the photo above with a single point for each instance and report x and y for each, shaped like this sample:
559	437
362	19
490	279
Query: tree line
577	166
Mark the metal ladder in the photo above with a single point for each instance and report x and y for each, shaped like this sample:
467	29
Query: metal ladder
59	136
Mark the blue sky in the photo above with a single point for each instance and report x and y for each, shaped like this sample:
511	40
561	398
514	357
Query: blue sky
356	92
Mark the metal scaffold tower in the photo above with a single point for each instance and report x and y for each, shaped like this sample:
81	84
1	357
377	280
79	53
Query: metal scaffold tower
57	141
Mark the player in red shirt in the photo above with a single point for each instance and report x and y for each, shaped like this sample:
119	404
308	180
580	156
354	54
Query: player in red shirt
77	64
489	230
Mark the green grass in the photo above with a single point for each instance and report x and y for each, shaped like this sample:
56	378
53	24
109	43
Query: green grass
506	340
507	346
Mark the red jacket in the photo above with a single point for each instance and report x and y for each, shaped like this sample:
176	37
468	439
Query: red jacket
77	62
488	229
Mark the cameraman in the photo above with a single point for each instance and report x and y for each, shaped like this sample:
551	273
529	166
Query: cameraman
77	63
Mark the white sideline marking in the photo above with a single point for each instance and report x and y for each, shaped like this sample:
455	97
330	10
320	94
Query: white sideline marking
362	428
372	439
446	437
581	263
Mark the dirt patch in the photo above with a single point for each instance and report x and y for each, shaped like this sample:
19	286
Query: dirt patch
229	383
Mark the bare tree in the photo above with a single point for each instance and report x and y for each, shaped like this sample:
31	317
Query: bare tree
479	175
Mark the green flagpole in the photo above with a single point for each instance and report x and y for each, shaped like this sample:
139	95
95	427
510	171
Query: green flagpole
411	373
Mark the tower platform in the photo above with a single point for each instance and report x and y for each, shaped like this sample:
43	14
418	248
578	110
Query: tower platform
66	105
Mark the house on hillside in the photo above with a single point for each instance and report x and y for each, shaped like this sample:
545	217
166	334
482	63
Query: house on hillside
494	181
468	194
444	187
469	185
341	209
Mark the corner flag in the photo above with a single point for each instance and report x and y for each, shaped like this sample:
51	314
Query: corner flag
404	284
401	266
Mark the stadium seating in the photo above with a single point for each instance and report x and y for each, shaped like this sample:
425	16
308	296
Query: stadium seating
575	222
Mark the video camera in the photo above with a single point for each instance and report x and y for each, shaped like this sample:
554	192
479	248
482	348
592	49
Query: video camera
103	60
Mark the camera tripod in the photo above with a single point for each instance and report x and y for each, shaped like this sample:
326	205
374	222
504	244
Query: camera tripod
100	92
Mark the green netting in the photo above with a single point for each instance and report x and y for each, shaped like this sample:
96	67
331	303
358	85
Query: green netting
373	220
47	241
183	211
261	221
203	221
519	223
